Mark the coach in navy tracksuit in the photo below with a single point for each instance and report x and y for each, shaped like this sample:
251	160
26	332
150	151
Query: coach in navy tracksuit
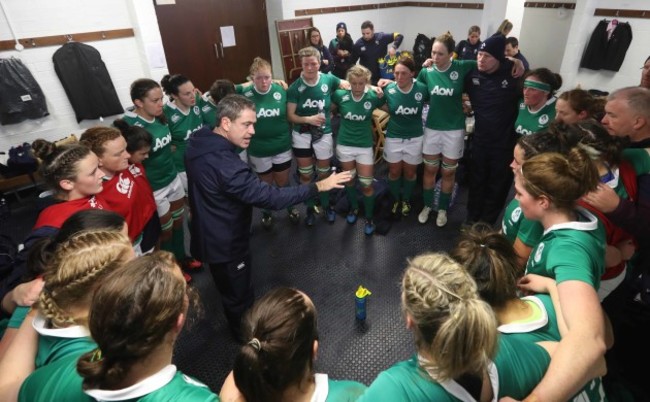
222	193
373	46
493	93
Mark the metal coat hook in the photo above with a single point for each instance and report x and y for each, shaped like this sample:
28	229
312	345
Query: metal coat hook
69	38
617	12
103	35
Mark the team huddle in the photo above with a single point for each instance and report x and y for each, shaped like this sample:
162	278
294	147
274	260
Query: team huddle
527	311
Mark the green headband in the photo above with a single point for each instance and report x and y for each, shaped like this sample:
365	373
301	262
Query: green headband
537	85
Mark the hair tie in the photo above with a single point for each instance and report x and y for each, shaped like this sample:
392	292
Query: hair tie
97	356
255	344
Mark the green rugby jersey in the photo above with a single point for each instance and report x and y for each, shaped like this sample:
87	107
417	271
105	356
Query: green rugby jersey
356	117
182	125
272	135
446	92
531	122
160	166
405	110
310	98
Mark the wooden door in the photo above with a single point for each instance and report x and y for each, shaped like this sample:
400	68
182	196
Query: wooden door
193	43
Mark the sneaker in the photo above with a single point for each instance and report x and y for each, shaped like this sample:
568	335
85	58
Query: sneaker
192	264
317	210
187	277
310	219
352	216
331	215
423	217
395	208
441	220
369	228
406	208
267	221
294	215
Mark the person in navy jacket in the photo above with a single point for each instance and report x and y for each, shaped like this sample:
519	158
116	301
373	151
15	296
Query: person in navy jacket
373	46
223	191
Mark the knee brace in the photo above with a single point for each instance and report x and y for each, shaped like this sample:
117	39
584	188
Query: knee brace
433	163
178	214
353	173
307	170
366	181
450	166
323	170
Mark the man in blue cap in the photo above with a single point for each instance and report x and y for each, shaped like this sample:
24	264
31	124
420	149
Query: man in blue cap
493	93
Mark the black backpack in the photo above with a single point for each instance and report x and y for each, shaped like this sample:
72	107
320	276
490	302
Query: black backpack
421	50
8	252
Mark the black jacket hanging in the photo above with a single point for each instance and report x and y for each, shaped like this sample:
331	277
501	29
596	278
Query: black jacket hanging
86	81
21	97
607	52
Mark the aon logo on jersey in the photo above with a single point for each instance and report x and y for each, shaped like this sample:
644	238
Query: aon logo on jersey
354	117
313	103
162	142
268	112
523	131
442	91
189	132
407	111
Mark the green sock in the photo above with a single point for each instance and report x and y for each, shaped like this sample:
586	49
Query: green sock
427	195
310	203
443	202
324	199
409	185
178	244
394	187
351	192
369	205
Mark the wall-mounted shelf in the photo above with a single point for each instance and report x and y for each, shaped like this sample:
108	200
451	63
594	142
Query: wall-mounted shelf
63	39
377	6
547	4
620	13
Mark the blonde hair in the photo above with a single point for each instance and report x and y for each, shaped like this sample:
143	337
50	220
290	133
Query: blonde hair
309	51
257	65
454	328
358	71
77	266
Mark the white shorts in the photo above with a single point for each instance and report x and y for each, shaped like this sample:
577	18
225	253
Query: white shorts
168	194
183	177
449	143
264	164
360	155
408	150
323	149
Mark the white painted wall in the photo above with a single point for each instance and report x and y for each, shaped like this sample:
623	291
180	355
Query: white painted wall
128	59
545	50
582	26
125	59
409	21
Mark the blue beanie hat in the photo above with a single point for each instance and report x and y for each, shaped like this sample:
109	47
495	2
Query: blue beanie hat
341	25
495	46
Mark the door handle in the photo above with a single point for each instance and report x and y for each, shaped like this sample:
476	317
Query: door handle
221	45
216	50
